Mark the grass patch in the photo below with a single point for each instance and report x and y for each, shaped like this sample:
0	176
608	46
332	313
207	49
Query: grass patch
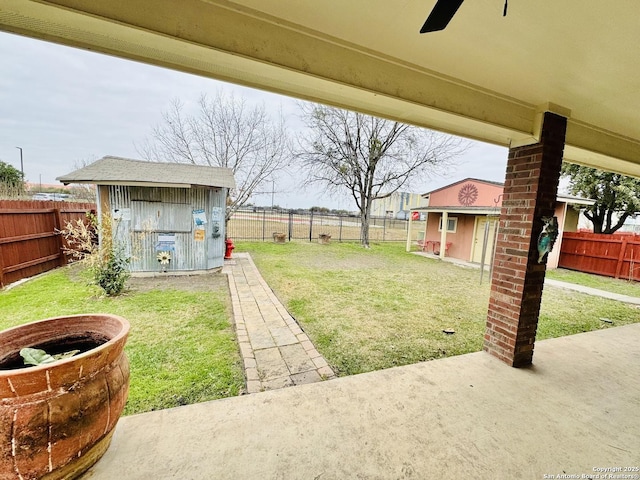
609	284
181	346
368	309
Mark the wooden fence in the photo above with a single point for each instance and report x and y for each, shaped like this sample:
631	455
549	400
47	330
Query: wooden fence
611	255
29	244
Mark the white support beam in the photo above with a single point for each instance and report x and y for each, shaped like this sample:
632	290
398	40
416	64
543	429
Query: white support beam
223	40
443	234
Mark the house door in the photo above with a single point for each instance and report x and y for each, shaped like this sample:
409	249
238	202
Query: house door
482	224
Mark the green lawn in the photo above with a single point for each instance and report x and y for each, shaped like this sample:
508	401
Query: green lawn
364	310
614	285
181	346
377	308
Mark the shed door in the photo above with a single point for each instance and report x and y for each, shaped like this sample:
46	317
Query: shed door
216	243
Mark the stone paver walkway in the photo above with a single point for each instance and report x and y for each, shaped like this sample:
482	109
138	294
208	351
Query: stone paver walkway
275	351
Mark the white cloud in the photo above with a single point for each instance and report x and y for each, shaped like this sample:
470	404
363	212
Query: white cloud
64	106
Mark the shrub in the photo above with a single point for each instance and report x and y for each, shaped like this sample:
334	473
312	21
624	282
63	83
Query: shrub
107	259
111	275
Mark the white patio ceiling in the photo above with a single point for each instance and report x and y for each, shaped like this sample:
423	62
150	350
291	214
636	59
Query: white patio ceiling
485	76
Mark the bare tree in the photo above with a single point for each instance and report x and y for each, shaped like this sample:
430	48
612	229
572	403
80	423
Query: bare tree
369	157
224	132
84	192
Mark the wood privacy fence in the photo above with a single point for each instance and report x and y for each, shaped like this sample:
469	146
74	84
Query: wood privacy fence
29	244
611	255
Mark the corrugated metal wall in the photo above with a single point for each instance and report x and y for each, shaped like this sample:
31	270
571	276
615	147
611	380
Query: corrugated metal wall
143	216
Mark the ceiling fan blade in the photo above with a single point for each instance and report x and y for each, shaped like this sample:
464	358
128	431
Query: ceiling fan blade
441	15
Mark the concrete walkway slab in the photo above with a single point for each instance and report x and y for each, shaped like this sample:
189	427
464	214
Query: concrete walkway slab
547	281
593	291
573	412
275	351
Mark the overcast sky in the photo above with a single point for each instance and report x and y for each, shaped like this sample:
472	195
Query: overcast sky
65	106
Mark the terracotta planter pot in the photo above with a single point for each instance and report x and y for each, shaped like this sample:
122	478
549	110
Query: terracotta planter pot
56	420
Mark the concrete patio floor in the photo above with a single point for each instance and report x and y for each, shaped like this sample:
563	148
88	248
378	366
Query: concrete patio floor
469	417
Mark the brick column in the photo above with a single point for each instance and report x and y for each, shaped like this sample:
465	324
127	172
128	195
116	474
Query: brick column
530	189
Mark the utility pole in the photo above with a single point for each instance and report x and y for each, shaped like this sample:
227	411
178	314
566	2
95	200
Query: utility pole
21	164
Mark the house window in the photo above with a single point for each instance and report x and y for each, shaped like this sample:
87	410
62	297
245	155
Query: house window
452	224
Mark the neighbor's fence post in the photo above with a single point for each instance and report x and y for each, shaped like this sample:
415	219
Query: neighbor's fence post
1	270
290	224
57	223
621	256
311	226
264	223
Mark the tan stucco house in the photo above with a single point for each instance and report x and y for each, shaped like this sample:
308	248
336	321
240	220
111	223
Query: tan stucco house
471	209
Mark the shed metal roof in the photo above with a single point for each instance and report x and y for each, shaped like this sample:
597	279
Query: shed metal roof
124	171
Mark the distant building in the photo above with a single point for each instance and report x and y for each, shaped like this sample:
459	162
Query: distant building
39	187
469	210
397	205
56	197
631	225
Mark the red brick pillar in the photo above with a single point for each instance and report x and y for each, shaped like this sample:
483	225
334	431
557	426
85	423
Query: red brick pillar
530	189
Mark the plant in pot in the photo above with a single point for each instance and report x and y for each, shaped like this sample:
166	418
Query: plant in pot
279	237
57	418
324	238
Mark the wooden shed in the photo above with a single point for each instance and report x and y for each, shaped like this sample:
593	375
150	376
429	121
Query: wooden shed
168	211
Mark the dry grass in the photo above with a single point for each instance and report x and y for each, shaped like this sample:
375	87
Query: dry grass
372	309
